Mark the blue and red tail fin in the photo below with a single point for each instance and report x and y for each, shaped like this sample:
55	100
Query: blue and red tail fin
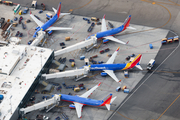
59	10
136	62
127	22
107	101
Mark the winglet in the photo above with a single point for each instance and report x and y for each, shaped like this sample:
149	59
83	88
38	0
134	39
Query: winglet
118	49
30	12
99	84
104	16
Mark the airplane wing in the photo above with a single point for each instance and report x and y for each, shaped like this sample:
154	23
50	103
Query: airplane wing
38	22
114	39
78	107
103	24
112	58
58	28
88	93
111	74
61	14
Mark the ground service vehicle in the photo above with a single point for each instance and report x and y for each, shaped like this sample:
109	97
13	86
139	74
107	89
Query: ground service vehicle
25	10
110	25
126	75
17	8
94	19
150	64
1	22
34	4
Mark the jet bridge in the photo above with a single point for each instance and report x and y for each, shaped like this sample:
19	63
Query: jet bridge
54	100
76	72
92	41
41	35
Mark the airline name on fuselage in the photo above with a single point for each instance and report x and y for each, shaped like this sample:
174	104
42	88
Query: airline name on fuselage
98	67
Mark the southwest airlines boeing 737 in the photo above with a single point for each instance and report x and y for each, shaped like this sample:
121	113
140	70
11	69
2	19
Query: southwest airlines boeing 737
108	68
108	34
48	25
80	101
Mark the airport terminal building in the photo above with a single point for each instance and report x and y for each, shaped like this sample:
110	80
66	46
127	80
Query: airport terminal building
21	67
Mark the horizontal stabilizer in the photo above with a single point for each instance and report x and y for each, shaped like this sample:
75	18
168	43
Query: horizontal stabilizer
139	67
131	28
108	106
113	99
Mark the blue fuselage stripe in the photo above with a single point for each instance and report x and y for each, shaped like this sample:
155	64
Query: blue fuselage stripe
97	67
84	101
108	32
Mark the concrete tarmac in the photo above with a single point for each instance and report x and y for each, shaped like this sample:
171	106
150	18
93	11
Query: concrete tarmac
154	98
157	95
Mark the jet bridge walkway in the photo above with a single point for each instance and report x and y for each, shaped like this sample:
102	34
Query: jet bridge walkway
92	41
69	73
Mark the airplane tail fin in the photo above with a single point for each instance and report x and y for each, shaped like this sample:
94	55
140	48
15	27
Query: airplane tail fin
59	10
127	22
136	62
108	100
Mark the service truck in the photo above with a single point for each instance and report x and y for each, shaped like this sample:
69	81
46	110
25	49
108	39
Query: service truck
150	64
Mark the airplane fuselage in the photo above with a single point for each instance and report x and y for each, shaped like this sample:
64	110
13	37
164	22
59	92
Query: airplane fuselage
108	32
100	67
47	24
81	100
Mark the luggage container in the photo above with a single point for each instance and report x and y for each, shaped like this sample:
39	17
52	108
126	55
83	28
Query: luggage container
118	89
150	46
176	38
124	87
72	64
126	90
67	38
170	40
164	41
82	57
77	89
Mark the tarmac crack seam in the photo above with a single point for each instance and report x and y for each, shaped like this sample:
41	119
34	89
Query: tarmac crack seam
142	83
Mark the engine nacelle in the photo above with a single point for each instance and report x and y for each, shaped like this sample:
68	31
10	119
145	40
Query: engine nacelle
72	106
37	27
103	74
50	32
106	41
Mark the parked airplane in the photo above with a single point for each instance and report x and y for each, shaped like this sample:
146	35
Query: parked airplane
109	67
48	25
80	101
108	34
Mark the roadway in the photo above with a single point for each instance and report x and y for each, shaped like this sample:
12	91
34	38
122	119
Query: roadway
157	95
